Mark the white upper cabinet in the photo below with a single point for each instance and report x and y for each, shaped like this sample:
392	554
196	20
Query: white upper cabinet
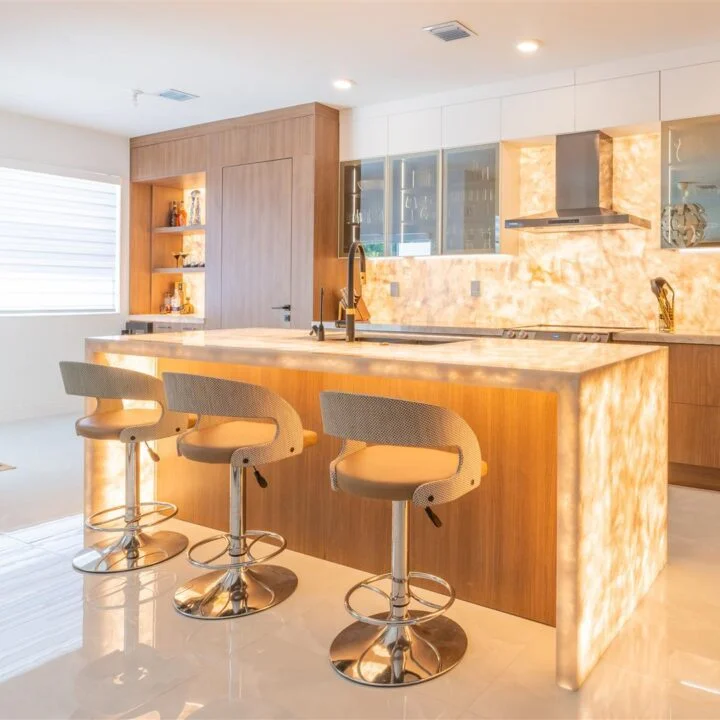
536	114
690	91
472	123
622	101
416	131
362	138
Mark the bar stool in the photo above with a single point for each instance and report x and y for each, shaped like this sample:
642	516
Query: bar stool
112	421
269	430
422	454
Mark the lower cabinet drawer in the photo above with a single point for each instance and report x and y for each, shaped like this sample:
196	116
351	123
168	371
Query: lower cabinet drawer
695	374
694	434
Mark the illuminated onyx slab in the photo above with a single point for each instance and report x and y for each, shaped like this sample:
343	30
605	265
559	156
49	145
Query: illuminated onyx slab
611	451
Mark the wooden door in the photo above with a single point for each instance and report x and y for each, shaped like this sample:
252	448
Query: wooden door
256	257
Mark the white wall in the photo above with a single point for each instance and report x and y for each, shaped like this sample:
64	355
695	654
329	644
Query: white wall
31	347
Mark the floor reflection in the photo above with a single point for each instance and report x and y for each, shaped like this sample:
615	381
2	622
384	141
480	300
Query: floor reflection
129	661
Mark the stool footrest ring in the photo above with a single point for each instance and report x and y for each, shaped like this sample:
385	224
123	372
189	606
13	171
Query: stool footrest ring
250	537
114	519
412	619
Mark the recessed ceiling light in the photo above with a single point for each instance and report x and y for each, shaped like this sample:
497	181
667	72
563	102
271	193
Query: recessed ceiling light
528	47
343	84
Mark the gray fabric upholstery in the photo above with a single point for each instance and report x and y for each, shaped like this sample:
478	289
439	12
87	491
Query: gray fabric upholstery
215	398
110	386
371	419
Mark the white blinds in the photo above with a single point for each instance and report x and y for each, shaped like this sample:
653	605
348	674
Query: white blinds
59	241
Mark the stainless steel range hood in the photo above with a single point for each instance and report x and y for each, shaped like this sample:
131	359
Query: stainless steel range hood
583	189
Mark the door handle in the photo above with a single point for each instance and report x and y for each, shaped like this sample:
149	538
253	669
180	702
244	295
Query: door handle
286	309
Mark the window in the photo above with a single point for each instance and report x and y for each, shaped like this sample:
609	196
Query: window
59	243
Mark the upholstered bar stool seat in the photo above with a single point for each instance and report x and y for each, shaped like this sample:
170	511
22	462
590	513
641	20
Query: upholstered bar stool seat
387	472
137	546
242	426
403	452
217	444
110	425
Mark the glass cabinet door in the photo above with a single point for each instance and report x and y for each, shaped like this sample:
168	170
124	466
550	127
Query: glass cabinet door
691	183
362	211
470	206
414	222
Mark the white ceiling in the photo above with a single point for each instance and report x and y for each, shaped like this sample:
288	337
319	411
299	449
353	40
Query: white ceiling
78	62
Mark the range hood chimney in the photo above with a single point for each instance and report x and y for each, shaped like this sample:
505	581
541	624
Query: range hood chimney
583	189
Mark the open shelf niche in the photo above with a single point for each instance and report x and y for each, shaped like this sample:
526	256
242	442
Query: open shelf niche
153	267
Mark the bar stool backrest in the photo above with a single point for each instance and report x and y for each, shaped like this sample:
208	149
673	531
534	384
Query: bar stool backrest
104	382
220	397
111	385
362	419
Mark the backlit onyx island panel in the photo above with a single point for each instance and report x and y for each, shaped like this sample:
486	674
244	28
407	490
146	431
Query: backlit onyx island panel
569	527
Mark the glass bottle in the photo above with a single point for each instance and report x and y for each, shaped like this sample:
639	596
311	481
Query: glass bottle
177	298
182	214
173	216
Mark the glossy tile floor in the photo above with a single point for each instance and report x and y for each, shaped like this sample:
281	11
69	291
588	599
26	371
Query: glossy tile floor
74	646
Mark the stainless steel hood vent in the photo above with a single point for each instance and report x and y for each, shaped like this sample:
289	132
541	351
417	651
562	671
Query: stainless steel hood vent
583	189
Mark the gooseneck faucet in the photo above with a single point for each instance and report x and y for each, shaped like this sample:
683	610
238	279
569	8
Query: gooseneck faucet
351	303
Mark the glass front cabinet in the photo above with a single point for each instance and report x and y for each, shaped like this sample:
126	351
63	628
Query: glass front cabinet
421	204
362	205
691	183
414	207
470	200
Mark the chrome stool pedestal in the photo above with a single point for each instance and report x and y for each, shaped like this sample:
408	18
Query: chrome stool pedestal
240	585
403	646
135	549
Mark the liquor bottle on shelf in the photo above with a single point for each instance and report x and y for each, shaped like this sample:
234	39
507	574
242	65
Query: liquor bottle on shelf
178	299
166	306
173	216
182	215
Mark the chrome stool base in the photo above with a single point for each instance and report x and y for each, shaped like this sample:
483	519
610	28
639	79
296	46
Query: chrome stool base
398	655
134	550
235	592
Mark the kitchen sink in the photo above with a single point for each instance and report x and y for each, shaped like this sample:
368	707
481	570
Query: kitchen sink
394	339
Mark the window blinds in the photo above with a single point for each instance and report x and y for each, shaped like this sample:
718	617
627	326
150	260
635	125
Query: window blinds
59	243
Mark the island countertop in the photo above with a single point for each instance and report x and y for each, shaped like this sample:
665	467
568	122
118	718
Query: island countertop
609	491
487	361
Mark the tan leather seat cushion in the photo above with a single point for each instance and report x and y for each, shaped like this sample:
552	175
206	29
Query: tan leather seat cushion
217	444
109	425
389	472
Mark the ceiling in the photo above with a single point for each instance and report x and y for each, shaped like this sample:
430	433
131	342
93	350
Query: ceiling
78	62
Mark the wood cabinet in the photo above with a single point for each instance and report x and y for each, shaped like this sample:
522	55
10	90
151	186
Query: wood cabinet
168	159
694	407
695	375
618	102
536	114
690	91
291	216
256	253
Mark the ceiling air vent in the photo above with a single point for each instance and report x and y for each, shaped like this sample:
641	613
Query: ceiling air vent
177	95
449	31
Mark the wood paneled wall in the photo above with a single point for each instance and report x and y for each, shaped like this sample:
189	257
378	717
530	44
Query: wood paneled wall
306	134
497	545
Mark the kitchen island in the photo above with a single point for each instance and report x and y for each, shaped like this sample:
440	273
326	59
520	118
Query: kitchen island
569	527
